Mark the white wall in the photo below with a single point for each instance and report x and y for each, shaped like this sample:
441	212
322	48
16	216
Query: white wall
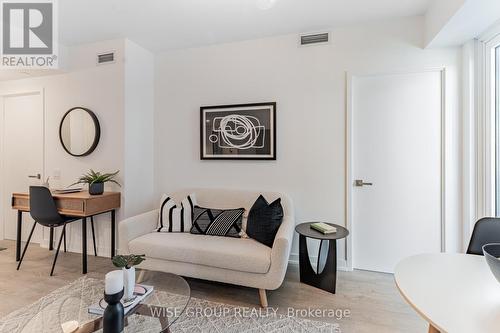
438	15
454	22
308	84
138	133
99	88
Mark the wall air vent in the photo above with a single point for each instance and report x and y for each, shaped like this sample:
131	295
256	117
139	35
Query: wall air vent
106	58
318	38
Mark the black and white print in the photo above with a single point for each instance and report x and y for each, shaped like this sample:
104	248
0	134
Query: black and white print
243	131
176	218
217	222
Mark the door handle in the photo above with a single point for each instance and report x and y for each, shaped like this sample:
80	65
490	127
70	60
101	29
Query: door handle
359	182
37	176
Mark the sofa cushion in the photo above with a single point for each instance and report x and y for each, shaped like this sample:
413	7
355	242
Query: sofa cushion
264	220
240	254
173	217
217	222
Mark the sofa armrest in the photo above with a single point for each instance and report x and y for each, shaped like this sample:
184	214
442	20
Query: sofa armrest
280	252
134	227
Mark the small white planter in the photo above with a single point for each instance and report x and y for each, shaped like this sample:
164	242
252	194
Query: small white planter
128	283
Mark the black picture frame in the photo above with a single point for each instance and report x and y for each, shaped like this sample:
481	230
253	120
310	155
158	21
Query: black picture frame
252	112
97	135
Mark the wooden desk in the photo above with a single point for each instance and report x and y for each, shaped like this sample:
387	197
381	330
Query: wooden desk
452	292
78	204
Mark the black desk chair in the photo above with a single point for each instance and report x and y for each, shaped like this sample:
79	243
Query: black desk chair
44	211
486	230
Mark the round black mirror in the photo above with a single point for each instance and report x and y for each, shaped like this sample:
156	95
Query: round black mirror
79	131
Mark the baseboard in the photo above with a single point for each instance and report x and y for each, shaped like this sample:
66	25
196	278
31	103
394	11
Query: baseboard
294	260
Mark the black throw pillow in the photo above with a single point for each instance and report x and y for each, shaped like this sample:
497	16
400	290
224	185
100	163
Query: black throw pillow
264	220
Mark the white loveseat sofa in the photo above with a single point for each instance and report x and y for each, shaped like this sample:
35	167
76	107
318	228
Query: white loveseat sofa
240	261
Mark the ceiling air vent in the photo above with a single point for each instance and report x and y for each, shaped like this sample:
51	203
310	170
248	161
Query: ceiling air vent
318	38
106	58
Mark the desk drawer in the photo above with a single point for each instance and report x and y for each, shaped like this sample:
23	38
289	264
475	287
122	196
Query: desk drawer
66	206
70	206
21	203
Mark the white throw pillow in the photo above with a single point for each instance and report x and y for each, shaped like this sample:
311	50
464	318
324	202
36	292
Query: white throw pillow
175	218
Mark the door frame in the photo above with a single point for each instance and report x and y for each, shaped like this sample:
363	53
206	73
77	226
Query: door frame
3	195
350	77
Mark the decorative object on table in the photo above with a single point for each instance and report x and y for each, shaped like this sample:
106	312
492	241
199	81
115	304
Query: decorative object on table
127	263
264	220
68	190
324	228
141	291
96	181
174	217
113	317
79	131
238	132
218	222
492	254
325	276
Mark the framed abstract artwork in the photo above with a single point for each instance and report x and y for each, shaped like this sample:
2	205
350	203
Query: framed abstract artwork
238	132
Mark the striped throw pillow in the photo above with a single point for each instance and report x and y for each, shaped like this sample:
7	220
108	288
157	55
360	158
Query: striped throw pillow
217	222
176	218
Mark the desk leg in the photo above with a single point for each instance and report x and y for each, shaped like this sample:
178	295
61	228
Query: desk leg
84	245
19	234
113	233
51	239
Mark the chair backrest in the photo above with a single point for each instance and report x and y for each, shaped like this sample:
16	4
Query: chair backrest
42	206
486	230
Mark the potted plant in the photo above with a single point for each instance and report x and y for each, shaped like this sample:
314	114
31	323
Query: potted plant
96	181
127	263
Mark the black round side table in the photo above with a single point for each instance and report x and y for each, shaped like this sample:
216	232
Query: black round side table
325	276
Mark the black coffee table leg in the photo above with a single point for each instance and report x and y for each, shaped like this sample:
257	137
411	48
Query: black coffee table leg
325	279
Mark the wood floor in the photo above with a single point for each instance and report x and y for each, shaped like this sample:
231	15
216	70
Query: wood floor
371	298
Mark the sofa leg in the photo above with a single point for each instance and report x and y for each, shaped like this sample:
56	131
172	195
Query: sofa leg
263	298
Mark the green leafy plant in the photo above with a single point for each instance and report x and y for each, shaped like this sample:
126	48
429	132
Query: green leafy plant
128	261
93	177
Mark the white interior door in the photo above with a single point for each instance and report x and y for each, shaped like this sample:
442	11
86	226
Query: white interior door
22	156
396	146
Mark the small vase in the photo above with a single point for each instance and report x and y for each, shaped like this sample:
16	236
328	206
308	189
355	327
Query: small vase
129	282
96	188
113	317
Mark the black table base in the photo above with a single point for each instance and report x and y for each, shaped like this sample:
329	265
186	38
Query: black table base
326	275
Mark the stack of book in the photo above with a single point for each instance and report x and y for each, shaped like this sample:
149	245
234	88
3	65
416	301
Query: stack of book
323	228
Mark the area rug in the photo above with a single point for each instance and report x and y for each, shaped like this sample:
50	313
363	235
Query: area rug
71	303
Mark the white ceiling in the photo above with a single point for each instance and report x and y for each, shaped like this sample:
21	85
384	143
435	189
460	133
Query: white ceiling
160	25
169	24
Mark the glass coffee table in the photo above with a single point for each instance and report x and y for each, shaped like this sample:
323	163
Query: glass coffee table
156	313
